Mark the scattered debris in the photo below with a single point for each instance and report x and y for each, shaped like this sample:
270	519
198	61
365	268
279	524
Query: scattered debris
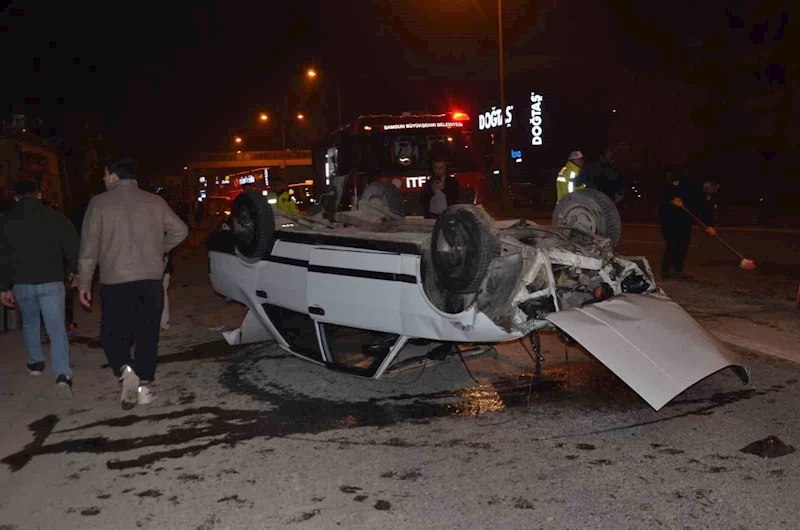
305	516
769	447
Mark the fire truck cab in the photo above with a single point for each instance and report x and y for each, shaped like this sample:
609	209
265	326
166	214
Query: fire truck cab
400	150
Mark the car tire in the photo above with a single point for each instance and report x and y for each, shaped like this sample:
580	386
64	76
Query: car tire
465	240
253	224
385	195
589	210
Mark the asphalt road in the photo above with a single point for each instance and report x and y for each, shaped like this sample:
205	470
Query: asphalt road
252	438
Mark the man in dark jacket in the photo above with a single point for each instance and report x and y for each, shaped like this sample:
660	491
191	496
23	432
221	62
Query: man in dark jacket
451	188
35	241
602	176
676	223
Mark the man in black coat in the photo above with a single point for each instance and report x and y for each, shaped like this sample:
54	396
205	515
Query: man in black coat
35	242
676	223
602	176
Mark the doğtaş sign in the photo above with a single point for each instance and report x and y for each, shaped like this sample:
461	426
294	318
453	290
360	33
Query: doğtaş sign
536	118
494	118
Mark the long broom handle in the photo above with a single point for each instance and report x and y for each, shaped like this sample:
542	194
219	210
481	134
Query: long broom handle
706	226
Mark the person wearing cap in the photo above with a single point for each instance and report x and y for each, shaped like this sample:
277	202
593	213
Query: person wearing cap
565	182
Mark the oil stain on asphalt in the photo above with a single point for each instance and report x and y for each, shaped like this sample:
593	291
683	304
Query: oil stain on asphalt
291	413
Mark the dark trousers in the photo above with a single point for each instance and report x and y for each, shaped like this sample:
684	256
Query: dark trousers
678	241
132	311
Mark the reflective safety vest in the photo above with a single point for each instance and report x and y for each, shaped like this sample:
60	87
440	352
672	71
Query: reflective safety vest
284	203
565	183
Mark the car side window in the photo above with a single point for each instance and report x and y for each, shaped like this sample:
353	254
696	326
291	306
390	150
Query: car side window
357	350
297	329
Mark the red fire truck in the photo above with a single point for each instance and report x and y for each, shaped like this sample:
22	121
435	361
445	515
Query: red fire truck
400	150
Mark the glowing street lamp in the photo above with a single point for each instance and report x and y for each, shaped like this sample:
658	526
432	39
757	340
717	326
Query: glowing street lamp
263	116
312	74
238	139
301	116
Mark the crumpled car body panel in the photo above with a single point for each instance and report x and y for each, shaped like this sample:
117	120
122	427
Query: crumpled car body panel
649	342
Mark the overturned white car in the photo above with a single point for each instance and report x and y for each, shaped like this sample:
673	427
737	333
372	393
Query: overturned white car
357	291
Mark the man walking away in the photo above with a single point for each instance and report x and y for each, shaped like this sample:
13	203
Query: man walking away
35	241
128	232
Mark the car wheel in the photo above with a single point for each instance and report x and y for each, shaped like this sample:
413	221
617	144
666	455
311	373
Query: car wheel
253	224
384	196
465	241
590	210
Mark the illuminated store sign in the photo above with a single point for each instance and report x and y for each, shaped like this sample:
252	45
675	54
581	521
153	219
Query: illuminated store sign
536	118
494	118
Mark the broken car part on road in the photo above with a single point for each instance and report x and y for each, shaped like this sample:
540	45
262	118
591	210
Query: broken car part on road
365	291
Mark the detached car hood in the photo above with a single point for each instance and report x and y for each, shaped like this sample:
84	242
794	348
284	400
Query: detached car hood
650	343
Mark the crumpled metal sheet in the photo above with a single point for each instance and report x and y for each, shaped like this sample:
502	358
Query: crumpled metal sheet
649	342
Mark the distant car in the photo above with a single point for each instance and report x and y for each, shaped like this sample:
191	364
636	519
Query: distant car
362	291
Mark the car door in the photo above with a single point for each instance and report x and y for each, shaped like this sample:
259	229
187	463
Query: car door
356	288
354	296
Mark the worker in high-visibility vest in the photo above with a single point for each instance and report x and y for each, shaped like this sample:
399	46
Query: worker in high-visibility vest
565	182
281	199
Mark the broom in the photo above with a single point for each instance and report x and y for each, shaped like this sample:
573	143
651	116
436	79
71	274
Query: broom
746	264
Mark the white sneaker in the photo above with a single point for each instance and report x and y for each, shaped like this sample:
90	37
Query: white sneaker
145	395
130	388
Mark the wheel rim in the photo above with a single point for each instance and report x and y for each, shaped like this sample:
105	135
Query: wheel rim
580	217
243	224
452	247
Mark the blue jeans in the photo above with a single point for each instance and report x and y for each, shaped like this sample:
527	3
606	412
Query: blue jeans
47	300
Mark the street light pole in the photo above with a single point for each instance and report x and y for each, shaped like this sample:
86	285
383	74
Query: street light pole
504	155
339	101
312	74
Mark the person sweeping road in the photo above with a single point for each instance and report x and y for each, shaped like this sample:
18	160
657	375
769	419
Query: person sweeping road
677	219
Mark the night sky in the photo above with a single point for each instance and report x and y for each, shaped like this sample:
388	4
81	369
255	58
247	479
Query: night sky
166	81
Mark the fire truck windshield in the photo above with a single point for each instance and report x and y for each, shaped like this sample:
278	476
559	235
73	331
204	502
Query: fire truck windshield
404	151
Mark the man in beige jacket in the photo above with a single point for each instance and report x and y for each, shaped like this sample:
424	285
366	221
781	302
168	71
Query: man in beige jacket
128	232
